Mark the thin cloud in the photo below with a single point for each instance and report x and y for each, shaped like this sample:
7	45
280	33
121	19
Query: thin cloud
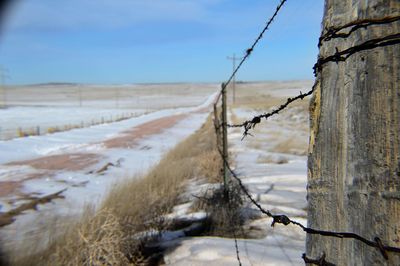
48	15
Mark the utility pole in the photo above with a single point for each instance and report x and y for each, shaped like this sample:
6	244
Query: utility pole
3	92
233	58
80	95
224	135
116	97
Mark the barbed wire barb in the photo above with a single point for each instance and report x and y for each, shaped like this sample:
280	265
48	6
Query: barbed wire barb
333	32
338	56
285	220
248	125
250	50
341	56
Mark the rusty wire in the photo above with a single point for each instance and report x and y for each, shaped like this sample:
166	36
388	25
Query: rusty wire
251	49
225	84
285	220
234	230
338	56
250	124
334	32
341	56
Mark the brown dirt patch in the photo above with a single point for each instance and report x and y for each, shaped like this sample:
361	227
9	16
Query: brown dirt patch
80	161
203	110
129	138
9	187
69	162
12	187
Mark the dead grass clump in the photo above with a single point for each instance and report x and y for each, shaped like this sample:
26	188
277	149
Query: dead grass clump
272	159
210	166
292	145
133	212
223	208
98	240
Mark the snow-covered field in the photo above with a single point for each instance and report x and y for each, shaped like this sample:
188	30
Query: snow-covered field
86	184
272	165
38	109
41	119
277	180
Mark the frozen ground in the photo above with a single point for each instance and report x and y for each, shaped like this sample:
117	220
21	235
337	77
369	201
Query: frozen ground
38	108
42	119
277	180
85	185
272	165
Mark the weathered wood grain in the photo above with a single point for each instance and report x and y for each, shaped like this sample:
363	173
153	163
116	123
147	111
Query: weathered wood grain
354	159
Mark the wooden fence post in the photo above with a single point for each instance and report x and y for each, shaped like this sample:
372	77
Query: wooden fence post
224	136
217	126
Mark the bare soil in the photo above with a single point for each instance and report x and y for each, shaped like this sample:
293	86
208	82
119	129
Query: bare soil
68	162
130	138
80	161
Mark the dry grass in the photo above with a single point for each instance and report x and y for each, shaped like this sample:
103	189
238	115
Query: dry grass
224	211
261	102
292	145
272	159
210	166
264	102
223	207
96	240
115	235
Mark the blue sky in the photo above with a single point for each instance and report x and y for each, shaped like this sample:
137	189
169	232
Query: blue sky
139	41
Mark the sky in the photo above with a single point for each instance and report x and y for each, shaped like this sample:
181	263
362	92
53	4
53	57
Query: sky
143	41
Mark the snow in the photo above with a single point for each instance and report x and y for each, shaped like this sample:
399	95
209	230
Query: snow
280	188
218	251
39	108
80	139
83	187
43	118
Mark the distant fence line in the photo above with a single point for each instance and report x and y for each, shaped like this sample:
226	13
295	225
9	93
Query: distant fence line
20	132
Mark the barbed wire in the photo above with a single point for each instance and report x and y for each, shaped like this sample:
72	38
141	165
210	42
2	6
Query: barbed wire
333	32
250	124
339	56
251	49
285	220
225	84
234	232
237	249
